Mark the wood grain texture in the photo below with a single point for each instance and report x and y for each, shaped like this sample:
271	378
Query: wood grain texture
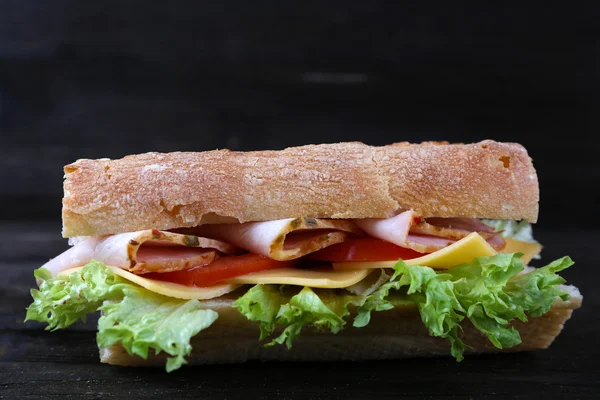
38	364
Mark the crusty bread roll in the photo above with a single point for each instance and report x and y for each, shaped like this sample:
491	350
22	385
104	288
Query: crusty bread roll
396	333
343	180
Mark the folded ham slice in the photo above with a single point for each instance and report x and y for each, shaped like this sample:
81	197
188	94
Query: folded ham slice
458	228
143	251
283	239
427	235
286	239
80	254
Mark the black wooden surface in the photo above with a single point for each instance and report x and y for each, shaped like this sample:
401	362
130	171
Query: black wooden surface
109	78
64	365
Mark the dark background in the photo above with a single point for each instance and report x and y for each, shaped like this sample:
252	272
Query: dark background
110	78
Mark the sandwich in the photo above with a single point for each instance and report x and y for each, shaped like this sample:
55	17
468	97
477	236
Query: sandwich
322	252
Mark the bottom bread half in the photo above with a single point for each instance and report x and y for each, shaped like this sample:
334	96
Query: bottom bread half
396	333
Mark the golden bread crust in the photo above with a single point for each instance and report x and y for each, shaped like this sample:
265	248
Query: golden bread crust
340	181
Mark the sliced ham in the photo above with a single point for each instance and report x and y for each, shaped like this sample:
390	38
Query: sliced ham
464	224
458	228
284	239
427	244
427	235
143	251
77	256
497	242
394	230
452	228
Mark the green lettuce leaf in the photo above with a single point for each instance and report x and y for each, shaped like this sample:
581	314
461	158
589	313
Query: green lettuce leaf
261	304
487	291
479	287
378	300
63	300
434	295
268	305
324	312
144	320
535	292
138	319
370	284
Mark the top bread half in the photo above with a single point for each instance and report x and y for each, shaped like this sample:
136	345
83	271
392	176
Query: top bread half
342	180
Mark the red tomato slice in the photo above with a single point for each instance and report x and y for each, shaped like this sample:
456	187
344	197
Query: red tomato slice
222	268
364	249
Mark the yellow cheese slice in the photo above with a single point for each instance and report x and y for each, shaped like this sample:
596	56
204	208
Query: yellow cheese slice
529	249
171	289
463	251
346	273
315	278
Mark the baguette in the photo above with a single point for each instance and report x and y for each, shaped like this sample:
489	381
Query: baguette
387	199
396	333
343	180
